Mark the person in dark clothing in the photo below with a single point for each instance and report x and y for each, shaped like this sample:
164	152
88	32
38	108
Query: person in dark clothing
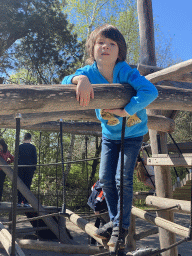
27	156
5	154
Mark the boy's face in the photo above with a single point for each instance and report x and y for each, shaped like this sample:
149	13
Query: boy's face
106	51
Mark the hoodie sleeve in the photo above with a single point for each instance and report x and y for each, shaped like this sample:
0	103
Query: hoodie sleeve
146	91
68	79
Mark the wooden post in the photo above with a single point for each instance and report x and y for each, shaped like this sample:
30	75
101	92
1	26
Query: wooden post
131	242
162	174
86	226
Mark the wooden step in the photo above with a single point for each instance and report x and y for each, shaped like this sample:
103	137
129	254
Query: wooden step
182	189
184	160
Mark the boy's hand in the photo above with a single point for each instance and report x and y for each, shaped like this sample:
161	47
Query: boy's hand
84	90
118	112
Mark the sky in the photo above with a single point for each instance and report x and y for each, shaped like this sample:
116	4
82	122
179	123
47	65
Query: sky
175	20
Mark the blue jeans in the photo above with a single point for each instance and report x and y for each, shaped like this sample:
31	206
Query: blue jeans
109	176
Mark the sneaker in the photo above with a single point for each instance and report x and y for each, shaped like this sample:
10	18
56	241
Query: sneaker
26	205
19	205
105	231
114	237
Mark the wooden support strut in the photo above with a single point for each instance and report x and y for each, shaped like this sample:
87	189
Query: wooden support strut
180	74
171	73
160	222
182	206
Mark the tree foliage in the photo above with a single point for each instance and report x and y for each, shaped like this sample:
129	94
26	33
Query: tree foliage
46	47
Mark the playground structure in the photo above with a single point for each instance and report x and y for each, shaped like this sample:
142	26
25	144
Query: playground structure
41	107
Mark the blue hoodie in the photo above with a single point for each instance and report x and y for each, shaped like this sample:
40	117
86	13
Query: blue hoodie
123	74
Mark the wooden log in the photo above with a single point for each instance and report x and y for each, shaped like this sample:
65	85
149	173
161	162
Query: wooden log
184	78
85	226
171	73
185	147
161	222
146	69
58	231
6	240
161	123
183	206
147	42
58	247
53	98
147	57
36	99
146	233
170	160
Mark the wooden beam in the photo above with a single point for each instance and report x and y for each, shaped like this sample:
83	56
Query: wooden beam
146	69
171	73
58	247
85	226
56	98
6	240
92	128
182	206
170	160
161	222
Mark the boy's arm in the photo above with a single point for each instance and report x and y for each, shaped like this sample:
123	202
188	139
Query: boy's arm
84	89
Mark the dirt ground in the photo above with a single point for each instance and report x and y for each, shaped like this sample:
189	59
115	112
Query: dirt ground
185	249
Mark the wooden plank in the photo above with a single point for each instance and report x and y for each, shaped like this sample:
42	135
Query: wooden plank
161	222
6	240
58	247
170	160
183	206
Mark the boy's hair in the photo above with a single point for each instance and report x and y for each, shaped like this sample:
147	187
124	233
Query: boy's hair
110	32
27	136
4	145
